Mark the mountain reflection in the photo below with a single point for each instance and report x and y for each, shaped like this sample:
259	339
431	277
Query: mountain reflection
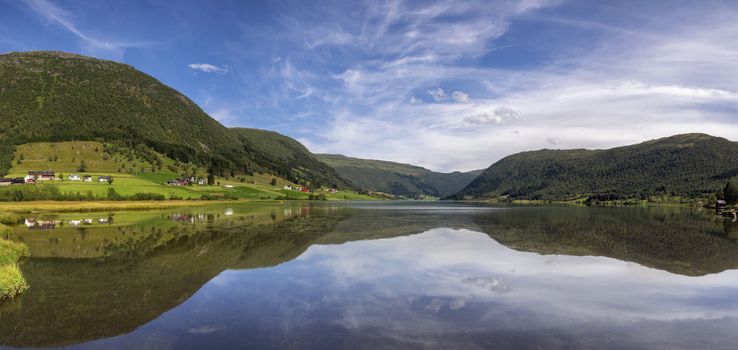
99	281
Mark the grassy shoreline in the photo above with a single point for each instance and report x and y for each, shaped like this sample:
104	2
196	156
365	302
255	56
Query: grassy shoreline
12	282
83	206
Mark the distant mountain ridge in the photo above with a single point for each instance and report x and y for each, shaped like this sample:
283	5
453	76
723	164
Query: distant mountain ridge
397	178
58	96
687	165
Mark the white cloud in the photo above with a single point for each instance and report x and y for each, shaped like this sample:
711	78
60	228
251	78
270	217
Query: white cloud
460	96
415	101
438	94
209	68
553	140
500	116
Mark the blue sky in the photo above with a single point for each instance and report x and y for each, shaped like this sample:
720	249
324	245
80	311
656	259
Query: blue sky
449	85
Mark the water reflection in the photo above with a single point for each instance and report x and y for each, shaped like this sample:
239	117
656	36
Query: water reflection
396	276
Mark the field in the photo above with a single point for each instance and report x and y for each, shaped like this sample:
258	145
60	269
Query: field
133	174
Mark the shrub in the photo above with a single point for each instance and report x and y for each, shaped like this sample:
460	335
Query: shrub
148	197
9	218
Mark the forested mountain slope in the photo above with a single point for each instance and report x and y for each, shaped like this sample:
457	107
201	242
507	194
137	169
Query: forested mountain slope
397	178
56	96
287	156
685	165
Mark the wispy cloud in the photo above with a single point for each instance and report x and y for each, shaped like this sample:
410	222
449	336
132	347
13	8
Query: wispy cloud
451	85
670	76
64	19
210	68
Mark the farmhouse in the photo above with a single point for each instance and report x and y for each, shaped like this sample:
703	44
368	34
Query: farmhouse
305	189
179	182
332	190
6	182
30	179
19	181
105	179
44	175
287	187
87	178
201	182
74	177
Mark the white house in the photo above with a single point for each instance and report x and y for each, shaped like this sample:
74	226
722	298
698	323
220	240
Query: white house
75	222
74	177
287	187
201	182
29	179
87	178
105	179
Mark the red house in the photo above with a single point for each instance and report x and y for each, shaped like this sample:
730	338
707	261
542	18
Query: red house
305	189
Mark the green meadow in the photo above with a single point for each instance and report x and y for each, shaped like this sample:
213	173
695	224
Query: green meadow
134	174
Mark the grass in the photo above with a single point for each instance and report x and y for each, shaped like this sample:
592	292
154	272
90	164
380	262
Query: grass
11	252
56	206
12	281
64	158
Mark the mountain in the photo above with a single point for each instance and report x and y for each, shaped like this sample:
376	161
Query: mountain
57	96
287	156
686	165
397	178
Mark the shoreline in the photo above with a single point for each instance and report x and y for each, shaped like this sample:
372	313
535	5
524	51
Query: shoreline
91	206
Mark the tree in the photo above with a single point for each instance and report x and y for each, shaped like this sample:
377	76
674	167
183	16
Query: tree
731	192
274	182
82	166
211	179
112	195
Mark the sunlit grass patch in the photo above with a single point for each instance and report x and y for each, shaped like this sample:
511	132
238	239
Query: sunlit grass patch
11	252
12	281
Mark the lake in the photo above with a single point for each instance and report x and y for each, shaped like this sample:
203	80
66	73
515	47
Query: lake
425	275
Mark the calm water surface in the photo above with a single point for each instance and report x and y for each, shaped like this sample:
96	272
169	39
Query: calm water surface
377	275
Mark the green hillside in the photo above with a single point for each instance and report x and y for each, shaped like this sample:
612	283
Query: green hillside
683	165
396	178
136	171
289	158
56	96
